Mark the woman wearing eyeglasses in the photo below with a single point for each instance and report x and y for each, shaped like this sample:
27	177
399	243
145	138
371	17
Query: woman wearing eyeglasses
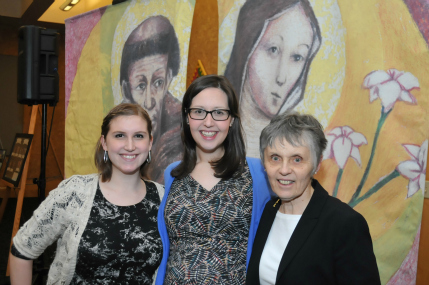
214	196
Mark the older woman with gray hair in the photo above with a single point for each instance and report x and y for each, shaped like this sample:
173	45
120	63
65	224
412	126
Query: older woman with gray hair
306	236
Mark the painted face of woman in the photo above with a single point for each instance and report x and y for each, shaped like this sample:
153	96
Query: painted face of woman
279	59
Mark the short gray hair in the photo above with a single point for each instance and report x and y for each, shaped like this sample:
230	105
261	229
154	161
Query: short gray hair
298	130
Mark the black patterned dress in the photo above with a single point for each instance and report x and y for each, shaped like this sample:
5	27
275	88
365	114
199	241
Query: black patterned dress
120	244
208	231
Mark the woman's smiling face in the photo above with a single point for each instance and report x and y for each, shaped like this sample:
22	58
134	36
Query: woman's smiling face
279	59
289	169
210	134
128	143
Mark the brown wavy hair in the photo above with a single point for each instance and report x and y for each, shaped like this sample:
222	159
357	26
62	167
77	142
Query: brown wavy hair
234	157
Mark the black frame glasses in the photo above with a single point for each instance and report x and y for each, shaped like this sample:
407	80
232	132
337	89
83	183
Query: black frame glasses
189	111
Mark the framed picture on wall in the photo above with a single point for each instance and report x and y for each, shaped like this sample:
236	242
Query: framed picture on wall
2	156
15	164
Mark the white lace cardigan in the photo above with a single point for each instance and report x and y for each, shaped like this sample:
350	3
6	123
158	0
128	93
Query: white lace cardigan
62	216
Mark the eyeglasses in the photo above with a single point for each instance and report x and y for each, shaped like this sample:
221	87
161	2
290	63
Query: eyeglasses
201	114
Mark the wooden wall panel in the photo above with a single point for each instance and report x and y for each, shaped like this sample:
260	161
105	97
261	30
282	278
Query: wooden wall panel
204	38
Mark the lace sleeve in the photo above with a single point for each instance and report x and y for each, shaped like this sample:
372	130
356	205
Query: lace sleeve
50	219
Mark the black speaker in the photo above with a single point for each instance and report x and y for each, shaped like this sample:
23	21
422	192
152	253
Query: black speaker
38	80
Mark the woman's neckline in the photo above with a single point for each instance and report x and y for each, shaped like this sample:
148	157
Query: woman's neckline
123	206
288	215
201	186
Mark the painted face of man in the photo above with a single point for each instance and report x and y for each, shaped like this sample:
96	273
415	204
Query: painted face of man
149	79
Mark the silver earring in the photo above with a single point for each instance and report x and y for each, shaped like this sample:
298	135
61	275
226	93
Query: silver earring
106	157
149	158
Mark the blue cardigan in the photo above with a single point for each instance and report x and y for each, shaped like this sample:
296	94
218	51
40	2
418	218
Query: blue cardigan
261	195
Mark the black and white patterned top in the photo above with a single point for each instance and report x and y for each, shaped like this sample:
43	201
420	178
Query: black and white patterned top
120	244
208	231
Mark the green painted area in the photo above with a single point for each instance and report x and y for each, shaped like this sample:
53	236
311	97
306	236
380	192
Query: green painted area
108	21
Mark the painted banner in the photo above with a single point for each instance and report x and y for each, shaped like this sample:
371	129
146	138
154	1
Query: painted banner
360	68
136	51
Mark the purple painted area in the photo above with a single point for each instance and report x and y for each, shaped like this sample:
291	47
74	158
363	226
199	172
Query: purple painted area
78	30
407	273
419	9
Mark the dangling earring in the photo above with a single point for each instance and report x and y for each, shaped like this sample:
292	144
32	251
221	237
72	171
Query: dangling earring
106	157
149	158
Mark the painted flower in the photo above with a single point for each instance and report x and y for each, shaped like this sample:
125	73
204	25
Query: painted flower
414	169
391	86
343	143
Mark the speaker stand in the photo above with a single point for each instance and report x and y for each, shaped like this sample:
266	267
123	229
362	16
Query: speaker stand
41	182
39	270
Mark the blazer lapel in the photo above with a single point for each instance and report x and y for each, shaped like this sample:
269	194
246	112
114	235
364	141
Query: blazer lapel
264	228
304	227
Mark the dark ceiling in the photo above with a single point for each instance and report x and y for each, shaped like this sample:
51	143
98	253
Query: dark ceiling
30	16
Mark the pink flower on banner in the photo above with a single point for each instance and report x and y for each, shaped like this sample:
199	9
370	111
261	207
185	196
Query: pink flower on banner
343	143
414	169
391	86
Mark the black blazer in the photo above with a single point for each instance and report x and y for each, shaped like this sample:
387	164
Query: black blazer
331	244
